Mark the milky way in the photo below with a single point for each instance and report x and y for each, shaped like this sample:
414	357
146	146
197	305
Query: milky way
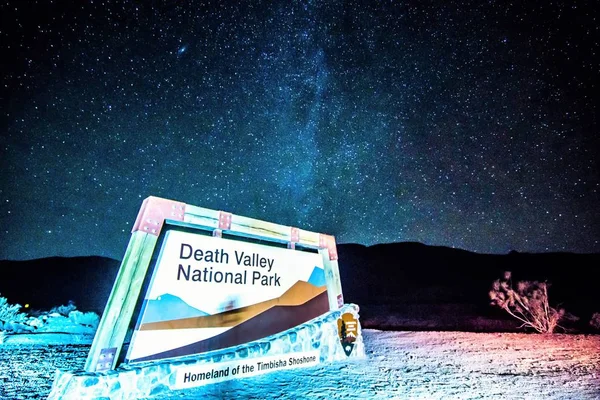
456	124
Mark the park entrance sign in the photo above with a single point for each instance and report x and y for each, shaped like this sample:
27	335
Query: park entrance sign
204	296
209	293
195	280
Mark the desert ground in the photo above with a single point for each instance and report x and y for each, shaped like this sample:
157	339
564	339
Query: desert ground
398	365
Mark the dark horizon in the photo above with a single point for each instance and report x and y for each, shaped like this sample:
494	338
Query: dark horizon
471	126
399	276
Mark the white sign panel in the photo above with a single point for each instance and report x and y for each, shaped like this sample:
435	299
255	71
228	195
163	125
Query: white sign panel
208	292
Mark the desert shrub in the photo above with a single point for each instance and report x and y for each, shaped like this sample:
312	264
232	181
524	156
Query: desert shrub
89	319
35	313
64	310
10	312
527	303
595	321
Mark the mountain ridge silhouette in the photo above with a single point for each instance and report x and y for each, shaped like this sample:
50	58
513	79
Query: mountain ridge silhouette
393	274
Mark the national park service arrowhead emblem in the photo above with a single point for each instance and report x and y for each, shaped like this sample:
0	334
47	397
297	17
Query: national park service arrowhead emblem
347	330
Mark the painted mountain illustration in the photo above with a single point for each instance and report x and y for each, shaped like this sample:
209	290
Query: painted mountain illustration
300	293
317	277
169	307
252	323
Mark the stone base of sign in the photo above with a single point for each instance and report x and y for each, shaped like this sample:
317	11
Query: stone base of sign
317	340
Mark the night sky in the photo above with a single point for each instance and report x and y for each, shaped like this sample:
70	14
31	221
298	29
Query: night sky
465	124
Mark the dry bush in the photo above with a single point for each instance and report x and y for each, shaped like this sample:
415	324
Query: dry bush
64	310
10	312
595	321
528	303
89	319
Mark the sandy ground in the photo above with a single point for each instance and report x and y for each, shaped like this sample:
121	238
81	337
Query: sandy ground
440	365
399	365
461	365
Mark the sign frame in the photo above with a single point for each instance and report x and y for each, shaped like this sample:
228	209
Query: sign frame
129	289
